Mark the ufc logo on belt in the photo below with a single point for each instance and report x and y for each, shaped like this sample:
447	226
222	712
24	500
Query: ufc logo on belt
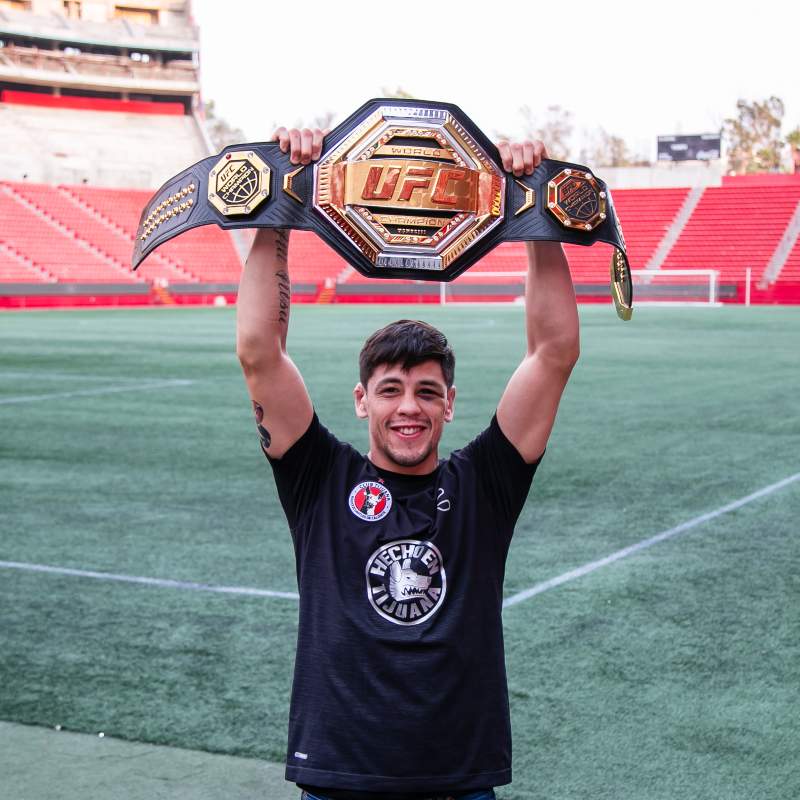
411	183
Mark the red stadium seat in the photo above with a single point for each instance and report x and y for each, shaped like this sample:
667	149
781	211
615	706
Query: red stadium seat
84	234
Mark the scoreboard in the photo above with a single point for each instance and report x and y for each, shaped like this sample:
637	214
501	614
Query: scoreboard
694	147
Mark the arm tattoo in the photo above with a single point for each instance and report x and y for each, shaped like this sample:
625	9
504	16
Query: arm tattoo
282	245
282	274
266	439
284	295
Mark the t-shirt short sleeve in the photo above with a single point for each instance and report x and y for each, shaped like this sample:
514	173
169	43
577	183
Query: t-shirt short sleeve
502	472
300	470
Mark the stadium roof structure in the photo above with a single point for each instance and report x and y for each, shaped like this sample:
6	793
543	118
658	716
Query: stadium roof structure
174	34
25	68
149	51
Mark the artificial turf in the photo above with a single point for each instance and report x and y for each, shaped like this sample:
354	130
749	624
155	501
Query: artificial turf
670	674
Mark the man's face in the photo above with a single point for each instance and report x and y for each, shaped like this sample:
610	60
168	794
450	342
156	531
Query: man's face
406	413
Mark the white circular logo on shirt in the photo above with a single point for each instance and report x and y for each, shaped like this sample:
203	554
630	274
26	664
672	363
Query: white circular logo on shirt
406	581
370	501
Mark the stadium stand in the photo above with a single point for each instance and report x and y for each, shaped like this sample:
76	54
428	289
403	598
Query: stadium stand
89	236
160	28
112	238
99	104
98	93
310	260
734	228
16	267
646	215
785	286
52	144
71	69
791	268
201	255
50	245
56	227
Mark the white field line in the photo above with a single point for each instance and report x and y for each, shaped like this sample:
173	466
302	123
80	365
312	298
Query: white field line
510	601
64	376
132	387
579	572
164	583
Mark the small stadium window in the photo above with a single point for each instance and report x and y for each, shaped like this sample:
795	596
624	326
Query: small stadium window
144	16
72	8
16	5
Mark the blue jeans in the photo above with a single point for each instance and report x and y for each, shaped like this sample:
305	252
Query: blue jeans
482	795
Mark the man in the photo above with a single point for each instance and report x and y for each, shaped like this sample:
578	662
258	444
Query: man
399	686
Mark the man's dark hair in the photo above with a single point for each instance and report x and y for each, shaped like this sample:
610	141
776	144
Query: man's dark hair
407	342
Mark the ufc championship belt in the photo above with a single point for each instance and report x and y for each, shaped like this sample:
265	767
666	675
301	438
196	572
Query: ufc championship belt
404	189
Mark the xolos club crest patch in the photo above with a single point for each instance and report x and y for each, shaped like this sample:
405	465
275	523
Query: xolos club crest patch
406	581
370	501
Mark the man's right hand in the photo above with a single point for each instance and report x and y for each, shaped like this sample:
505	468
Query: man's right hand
303	144
281	404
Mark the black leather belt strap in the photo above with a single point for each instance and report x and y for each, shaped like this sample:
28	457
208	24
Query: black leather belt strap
182	202
256	186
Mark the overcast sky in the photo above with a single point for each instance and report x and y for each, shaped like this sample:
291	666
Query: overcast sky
636	69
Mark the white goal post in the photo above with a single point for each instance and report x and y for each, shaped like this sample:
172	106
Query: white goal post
676	287
665	287
514	279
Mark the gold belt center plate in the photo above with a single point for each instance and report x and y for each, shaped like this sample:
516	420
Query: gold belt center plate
411	187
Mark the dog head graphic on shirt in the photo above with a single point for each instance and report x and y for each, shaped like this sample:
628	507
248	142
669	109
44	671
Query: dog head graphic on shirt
406	580
405	583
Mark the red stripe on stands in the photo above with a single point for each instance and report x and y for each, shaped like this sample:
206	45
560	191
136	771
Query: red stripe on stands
761	179
84	235
91	103
779	294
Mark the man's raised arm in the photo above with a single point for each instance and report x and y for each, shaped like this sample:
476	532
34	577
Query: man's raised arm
527	409
281	403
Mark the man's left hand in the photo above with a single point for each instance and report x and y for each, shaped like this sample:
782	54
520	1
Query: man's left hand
521	157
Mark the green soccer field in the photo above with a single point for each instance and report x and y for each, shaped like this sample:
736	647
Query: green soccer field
128	449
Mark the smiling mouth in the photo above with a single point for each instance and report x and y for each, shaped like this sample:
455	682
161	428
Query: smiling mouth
408	431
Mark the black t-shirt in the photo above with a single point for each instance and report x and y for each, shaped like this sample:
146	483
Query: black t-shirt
399	681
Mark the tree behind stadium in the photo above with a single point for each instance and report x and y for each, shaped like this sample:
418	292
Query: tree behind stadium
754	137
